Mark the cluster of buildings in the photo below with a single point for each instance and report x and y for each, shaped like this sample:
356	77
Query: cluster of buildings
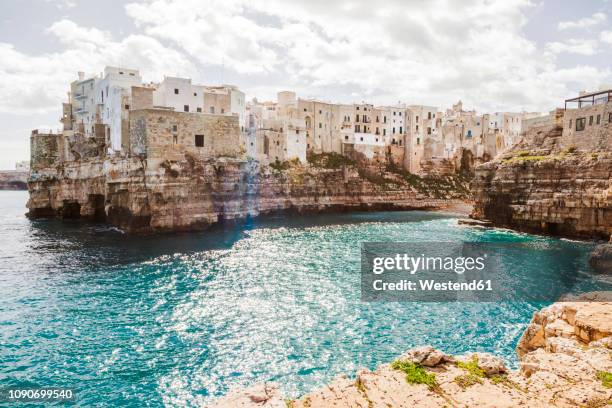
414	136
175	117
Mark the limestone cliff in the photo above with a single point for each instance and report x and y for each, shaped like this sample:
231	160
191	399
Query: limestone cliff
554	182
156	195
13	180
565	361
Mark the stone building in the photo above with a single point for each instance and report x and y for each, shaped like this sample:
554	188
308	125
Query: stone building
166	134
587	121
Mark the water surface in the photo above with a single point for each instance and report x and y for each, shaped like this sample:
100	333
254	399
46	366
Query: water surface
181	318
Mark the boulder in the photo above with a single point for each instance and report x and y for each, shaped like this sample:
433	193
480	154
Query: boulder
601	258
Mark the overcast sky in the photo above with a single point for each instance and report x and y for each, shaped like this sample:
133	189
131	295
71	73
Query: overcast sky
506	55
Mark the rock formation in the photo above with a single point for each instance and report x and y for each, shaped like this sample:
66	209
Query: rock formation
601	258
565	361
157	195
13	180
556	181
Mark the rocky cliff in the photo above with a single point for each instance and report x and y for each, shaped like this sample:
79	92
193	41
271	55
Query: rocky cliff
551	183
565	361
13	180
156	195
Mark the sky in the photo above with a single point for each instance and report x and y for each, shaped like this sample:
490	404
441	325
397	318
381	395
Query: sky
494	55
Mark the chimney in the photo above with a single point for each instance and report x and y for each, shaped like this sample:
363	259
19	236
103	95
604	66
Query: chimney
81	75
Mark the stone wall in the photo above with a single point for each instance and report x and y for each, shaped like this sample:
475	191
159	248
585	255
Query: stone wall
166	134
44	150
597	128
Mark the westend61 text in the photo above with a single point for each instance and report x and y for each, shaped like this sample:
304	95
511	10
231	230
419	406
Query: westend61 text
432	285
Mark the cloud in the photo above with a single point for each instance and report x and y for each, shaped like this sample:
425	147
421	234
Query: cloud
584	22
38	83
606	37
62	4
418	51
573	46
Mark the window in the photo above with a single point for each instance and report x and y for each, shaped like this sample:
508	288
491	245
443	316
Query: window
429	131
417	128
222	110
384	119
320	111
174	139
469	133
400	113
356	118
610	117
199	140
570	124
176	91
199	109
211	109
346	137
384	132
186	108
357	108
400	142
590	120
417	119
297	131
418	141
580	124
428	115
195	94
376	139
365	119
401	130
174	128
393	130
120	72
127	107
598	119
320	125
361	139
394	113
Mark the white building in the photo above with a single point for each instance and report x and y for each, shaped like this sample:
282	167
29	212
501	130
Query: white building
112	98
179	94
82	99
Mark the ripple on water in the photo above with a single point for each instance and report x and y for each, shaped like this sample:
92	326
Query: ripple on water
178	319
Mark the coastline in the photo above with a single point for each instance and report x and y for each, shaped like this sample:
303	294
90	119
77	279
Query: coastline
564	362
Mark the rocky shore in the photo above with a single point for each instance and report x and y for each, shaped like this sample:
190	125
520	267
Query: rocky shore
565	361
13	180
150	196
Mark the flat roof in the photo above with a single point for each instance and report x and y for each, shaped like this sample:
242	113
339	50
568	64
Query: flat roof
590	95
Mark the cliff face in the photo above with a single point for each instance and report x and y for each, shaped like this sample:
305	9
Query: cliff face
565	361
13	180
155	195
549	185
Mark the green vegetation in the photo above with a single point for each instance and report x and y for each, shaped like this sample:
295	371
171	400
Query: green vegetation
498	379
472	367
606	378
289	403
415	373
467	380
329	160
433	186
474	376
285	165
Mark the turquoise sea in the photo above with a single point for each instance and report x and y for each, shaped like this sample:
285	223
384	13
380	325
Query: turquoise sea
177	319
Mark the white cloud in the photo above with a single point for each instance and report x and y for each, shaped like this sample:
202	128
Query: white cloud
584	22
573	46
606	37
38	83
418	51
62	4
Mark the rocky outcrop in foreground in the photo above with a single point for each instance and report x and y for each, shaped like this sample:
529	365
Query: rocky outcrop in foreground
565	361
